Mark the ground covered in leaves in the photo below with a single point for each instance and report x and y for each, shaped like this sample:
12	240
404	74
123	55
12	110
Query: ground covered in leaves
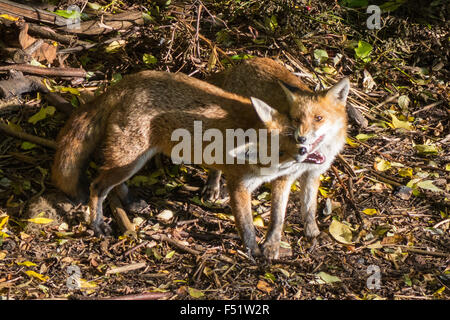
383	207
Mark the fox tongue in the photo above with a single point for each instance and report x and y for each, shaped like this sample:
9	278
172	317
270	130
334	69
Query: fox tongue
315	157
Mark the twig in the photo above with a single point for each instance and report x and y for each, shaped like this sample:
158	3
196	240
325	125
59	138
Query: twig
143	296
432	105
437	225
175	243
25	136
129	267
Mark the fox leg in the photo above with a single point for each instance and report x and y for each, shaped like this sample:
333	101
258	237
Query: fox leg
281	188
240	201
211	190
128	199
102	185
308	194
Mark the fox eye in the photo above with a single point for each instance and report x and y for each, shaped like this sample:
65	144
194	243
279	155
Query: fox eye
318	118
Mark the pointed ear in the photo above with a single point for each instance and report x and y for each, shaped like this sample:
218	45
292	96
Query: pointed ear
339	91
289	91
265	112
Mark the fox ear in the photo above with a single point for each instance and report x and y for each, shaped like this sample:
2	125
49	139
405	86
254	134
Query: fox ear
289	91
339	91
265	112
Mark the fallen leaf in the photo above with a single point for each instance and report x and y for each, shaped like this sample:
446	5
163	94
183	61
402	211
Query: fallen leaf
370	211
195	293
36	275
40	220
264	286
428	185
341	232
398	124
328	278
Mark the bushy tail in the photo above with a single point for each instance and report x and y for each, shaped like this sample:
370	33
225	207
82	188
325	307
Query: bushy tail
75	144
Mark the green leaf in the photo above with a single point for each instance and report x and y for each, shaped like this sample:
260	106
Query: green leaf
195	293
363	50
428	185
328	278
320	55
426	149
116	77
72	14
354	3
149	59
170	254
42	114
364	137
27	145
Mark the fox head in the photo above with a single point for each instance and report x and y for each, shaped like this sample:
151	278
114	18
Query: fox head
317	119
283	149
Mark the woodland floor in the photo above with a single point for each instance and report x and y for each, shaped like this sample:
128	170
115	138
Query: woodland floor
389	198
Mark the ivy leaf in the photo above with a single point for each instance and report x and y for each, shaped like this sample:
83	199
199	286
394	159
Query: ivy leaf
363	51
320	55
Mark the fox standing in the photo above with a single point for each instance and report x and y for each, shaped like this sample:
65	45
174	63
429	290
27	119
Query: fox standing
134	120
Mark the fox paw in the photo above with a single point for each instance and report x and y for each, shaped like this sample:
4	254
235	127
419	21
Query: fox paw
211	192
137	206
312	230
101	229
270	250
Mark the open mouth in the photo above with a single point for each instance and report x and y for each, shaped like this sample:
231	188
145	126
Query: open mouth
315	157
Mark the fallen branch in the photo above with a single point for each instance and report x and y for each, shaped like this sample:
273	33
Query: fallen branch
30	13
25	136
56	72
18	84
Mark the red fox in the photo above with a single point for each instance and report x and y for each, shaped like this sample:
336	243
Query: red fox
137	118
313	115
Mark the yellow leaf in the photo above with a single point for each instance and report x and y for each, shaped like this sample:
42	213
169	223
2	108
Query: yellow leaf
26	263
258	221
8	17
370	211
341	232
382	165
4	221
84	284
352	143
2	255
323	192
406	172
397	124
40	220
36	275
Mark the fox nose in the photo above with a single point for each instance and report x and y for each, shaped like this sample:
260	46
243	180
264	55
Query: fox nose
302	151
301	139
